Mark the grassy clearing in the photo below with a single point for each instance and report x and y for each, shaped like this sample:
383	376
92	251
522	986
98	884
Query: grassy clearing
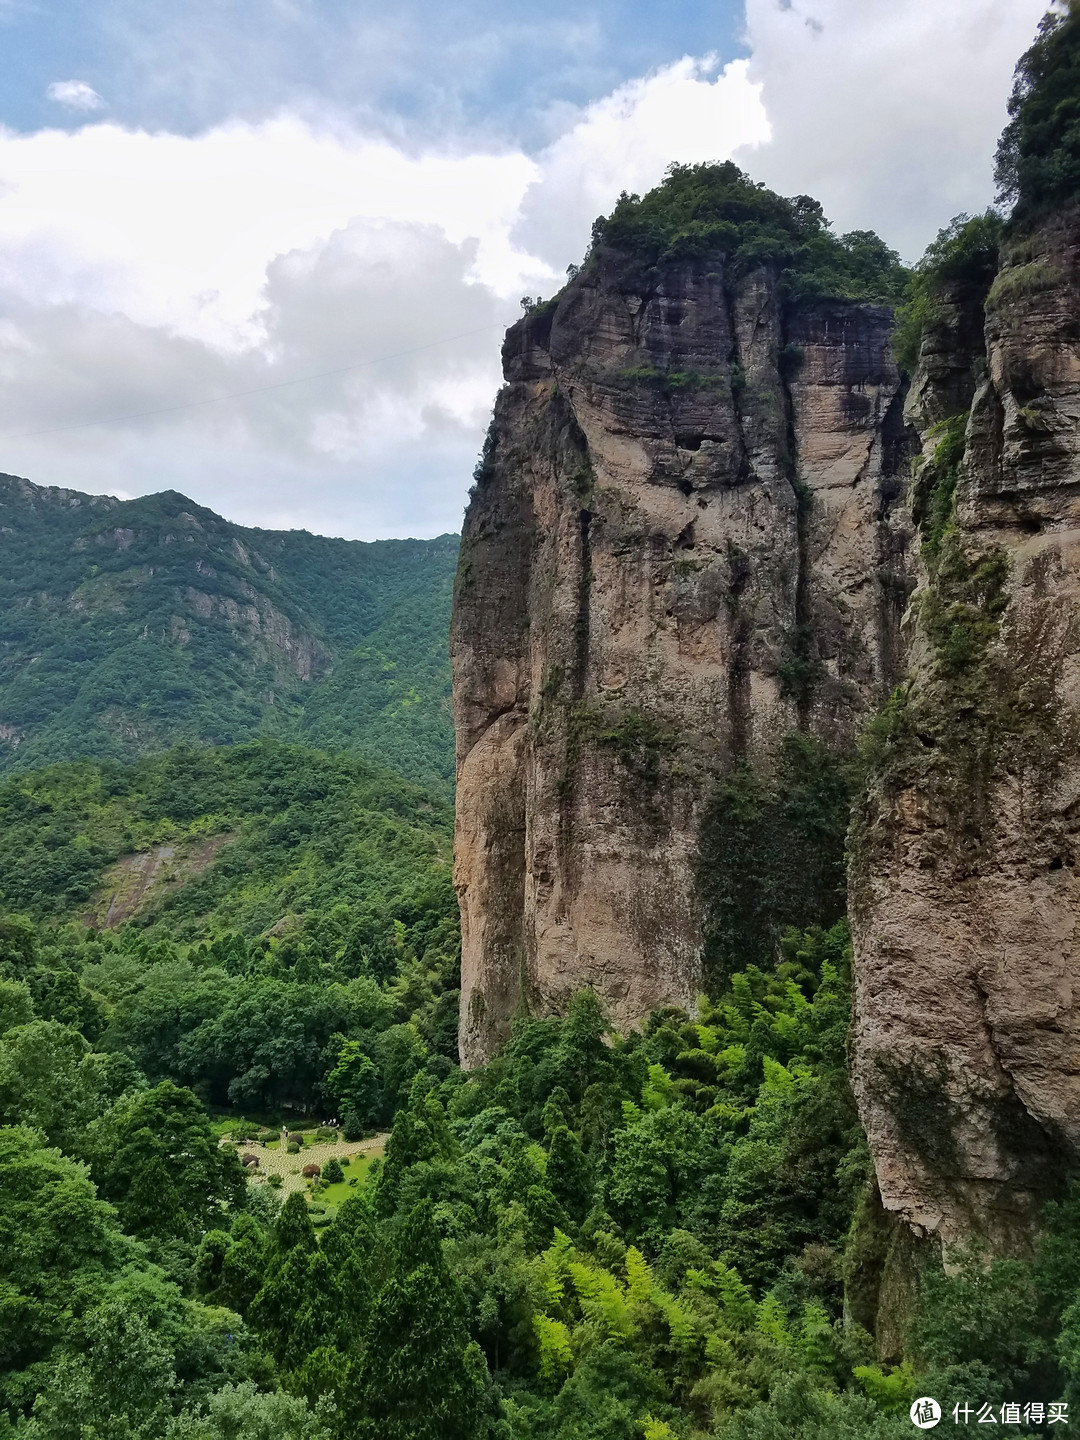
355	1156
357	1169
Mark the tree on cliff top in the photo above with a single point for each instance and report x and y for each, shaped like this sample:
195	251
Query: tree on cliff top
1038	157
717	211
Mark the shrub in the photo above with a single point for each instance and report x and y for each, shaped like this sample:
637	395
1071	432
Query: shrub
716	212
964	253
294	1148
332	1172
1022	280
295	1138
326	1132
276	1181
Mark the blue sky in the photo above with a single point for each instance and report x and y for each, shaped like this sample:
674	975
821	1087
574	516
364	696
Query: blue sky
487	68
263	251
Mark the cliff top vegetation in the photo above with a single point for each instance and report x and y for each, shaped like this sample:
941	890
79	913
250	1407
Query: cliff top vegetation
963	254
1037	168
716	210
1038	157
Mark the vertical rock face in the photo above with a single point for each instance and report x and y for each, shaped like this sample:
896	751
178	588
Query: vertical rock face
965	893
685	541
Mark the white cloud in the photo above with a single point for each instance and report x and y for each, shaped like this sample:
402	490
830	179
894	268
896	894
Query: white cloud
627	140
179	231
888	113
323	452
141	271
74	95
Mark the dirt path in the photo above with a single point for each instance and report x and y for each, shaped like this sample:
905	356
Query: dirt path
279	1162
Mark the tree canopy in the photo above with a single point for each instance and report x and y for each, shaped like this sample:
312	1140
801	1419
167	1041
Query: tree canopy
716	210
1038	156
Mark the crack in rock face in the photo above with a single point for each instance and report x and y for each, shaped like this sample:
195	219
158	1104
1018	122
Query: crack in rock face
965	888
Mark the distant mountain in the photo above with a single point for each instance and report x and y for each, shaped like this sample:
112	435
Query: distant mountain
129	625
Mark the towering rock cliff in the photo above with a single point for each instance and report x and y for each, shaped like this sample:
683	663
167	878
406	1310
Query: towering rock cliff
685	544
713	537
965	893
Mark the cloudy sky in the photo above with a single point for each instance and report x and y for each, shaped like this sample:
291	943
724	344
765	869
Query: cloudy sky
262	251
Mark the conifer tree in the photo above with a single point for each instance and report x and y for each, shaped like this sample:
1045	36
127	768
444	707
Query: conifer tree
277	1306
243	1265
420	1377
152	1206
322	1374
583	1055
556	1109
421	1132
318	1316
209	1263
293	1229
355	1254
568	1173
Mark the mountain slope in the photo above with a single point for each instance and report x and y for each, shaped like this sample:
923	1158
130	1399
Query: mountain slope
127	625
266	882
249	837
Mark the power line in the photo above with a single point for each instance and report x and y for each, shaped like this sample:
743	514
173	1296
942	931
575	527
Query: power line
257	390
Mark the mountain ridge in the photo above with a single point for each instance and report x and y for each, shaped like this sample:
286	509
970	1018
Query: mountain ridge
127	625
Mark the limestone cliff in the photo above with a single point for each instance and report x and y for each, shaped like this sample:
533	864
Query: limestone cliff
965	892
686	541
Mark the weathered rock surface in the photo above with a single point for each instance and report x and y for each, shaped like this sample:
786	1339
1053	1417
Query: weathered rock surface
965	894
686	540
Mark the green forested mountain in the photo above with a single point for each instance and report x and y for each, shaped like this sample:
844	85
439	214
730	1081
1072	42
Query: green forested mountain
598	1237
126	626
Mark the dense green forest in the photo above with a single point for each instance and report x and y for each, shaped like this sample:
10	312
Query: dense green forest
326	908
595	1237
669	1233
126	626
1038	157
717	210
